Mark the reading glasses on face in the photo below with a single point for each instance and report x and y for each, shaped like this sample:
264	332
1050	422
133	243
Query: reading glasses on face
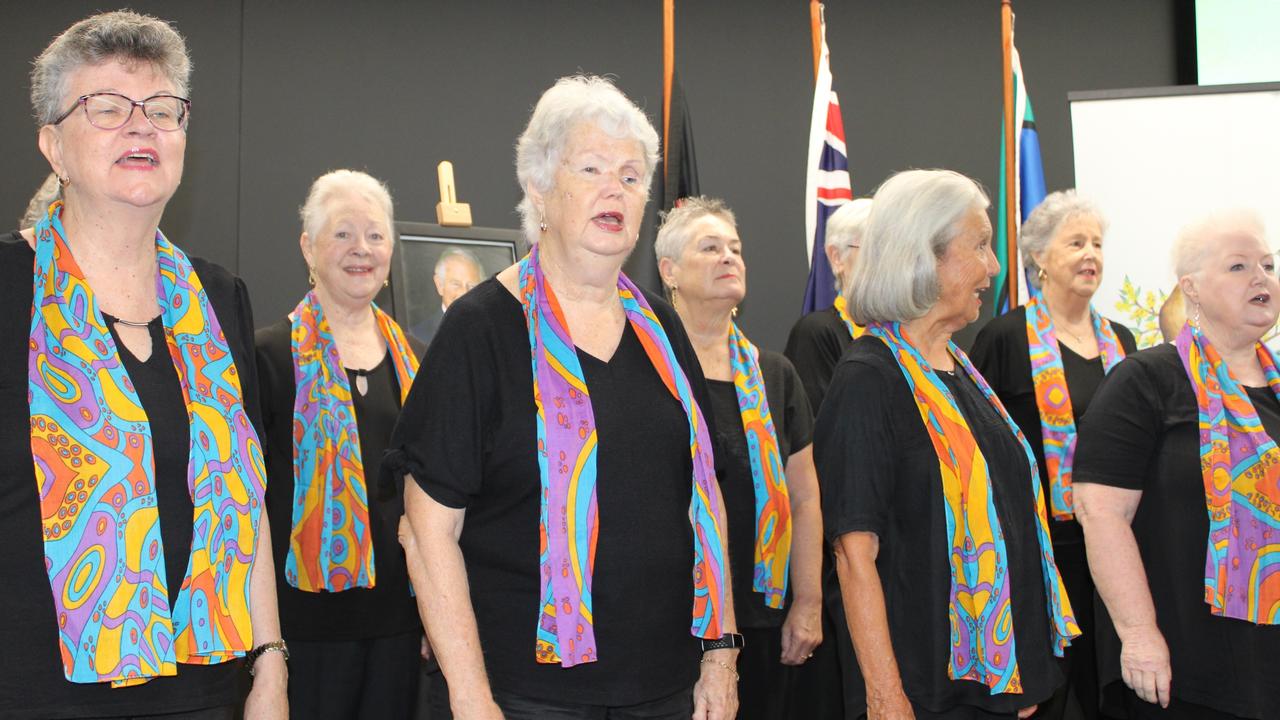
111	111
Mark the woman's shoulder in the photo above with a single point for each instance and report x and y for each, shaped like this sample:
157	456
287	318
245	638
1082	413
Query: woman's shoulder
1123	334
1158	368
275	338
868	358
1012	322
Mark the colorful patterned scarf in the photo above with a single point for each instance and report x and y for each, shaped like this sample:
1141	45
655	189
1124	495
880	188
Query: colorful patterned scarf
980	610
773	505
842	309
330	546
1057	419
567	464
1241	467
94	466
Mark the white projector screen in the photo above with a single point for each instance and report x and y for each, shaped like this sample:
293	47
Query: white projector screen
1154	160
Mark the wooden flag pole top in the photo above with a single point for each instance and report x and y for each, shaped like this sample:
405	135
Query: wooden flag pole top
815	26
449	211
1010	219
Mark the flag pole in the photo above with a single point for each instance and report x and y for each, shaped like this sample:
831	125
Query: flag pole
815	27
1010	219
668	70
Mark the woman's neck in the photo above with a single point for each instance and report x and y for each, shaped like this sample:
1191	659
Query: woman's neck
707	324
111	242
1066	307
346	318
931	337
579	277
1240	353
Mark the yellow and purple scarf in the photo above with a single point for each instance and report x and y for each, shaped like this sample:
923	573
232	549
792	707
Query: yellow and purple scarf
1241	468
842	309
772	554
567	444
330	546
94	465
1057	419
980	607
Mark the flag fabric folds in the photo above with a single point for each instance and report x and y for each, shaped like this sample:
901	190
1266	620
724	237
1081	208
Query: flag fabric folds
680	166
827	184
1028	191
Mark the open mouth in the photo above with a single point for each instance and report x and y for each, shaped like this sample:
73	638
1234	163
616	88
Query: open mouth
1262	299
1089	272
609	221
139	157
358	270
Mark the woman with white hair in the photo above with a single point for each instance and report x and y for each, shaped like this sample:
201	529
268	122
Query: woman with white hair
560	477
1045	361
137	559
333	374
767	478
930	493
1178	491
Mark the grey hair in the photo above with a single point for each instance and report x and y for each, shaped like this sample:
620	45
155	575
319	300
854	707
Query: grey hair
459	254
121	35
1195	239
48	191
1042	225
916	215
314	213
847	223
674	234
573	100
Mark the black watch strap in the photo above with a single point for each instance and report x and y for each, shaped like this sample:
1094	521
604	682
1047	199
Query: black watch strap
726	641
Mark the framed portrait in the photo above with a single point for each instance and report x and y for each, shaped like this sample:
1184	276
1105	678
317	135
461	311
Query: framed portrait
436	265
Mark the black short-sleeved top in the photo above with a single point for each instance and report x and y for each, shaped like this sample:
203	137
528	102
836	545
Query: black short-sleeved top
880	474
793	424
467	433
388	607
1002	353
1142	433
32	683
814	346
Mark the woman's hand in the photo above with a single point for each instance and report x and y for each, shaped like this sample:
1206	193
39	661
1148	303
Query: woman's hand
801	632
1027	712
715	696
425	651
268	699
1144	663
889	705
478	708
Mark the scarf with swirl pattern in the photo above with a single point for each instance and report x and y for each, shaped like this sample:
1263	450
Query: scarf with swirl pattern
330	546
94	465
773	505
980	608
1057	419
567	445
842	309
1241	468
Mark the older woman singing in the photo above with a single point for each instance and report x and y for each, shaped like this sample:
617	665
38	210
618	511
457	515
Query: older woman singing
137	558
1045	361
559	463
1178	491
333	375
930	492
767	478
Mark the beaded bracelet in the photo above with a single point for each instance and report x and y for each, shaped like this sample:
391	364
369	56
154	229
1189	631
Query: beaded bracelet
264	648
726	666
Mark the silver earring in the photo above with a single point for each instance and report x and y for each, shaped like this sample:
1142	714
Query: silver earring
542	222
1195	319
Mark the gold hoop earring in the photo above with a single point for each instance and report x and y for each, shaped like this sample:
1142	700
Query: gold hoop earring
734	311
64	180
311	277
1041	276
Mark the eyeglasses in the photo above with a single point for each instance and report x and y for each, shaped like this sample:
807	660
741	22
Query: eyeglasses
110	111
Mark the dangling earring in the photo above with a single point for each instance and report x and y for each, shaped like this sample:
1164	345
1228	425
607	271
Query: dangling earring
734	311
311	277
1195	319
386	283
1041	276
542	221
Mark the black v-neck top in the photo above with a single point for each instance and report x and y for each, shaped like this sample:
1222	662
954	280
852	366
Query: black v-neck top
32	683
467	434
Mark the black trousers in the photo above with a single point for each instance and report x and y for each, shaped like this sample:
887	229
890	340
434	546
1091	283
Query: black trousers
216	713
767	689
1140	709
376	678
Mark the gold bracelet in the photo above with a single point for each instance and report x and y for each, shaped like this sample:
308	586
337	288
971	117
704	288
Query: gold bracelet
726	666
274	646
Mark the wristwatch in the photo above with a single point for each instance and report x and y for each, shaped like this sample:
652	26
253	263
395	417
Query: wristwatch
726	641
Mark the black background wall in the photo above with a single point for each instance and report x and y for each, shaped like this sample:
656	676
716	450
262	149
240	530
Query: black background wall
285	90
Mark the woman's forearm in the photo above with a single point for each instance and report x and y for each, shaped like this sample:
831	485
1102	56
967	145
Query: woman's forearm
806	524
863	598
1114	559
270	670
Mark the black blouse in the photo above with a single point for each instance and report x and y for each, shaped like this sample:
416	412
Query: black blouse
793	423
880	474
814	346
467	434
1002	353
387	608
1142	433
32	683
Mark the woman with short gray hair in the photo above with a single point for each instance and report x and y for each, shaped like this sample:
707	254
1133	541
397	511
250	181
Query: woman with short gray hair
557	457
927	482
1045	361
132	431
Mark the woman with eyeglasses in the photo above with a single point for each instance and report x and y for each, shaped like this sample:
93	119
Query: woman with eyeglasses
137	563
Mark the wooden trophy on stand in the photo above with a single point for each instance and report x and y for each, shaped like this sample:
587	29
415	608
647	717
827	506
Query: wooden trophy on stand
449	211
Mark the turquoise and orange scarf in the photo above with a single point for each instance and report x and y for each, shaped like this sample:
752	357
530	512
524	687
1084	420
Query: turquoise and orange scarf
980	607
330	546
773	504
1241	468
842	309
567	444
1057	420
94	466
